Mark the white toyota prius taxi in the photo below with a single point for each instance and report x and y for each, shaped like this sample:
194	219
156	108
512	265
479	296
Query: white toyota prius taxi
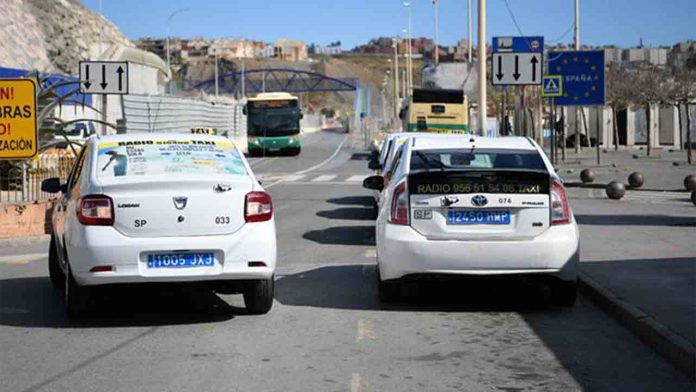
475	206
162	208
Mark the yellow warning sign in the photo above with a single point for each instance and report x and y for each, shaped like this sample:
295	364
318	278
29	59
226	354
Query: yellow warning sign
18	130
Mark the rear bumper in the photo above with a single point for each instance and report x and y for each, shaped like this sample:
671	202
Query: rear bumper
96	246
401	251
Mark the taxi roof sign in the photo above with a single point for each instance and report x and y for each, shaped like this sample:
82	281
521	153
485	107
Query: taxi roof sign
18	123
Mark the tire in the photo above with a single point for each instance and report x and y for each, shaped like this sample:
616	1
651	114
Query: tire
76	297
55	273
258	297
386	290
564	293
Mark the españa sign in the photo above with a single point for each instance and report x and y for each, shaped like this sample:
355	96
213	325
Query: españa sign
18	133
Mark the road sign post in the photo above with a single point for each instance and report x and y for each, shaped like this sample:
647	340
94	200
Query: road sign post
104	77
18	119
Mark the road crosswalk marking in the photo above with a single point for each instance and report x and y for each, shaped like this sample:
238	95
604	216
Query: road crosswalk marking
355	179
324	177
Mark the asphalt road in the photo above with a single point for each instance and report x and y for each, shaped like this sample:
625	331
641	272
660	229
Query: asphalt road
327	330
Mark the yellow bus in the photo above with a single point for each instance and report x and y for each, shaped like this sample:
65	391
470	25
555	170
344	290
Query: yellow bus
437	111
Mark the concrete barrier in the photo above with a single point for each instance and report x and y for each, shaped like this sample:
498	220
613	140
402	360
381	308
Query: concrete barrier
25	219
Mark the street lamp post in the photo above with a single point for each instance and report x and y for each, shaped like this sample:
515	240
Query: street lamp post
482	64
169	22
468	40
410	50
437	39
395	42
215	52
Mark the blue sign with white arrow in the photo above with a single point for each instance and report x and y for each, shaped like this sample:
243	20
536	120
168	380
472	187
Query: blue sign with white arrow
582	75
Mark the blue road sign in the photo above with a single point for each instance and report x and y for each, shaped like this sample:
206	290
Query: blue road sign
552	86
518	44
583	77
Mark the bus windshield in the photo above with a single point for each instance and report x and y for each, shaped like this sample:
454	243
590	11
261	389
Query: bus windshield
274	122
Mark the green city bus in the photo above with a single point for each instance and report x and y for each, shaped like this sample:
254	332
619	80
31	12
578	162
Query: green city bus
273	124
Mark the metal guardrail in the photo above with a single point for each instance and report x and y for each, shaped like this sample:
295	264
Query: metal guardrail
145	113
20	181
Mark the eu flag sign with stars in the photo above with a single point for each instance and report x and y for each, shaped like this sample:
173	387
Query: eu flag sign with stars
583	77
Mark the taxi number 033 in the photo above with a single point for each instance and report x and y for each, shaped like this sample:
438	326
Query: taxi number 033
222	220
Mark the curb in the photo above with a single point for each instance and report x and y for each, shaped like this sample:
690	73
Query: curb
673	347
21	241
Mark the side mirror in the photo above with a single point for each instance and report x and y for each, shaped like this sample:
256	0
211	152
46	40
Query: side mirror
374	164
52	185
374	182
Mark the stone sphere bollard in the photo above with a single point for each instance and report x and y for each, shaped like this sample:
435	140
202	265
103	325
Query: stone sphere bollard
636	180
615	190
690	182
587	176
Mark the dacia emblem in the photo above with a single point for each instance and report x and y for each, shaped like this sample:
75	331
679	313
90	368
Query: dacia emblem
180	202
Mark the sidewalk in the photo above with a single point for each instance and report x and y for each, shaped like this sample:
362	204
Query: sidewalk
638	254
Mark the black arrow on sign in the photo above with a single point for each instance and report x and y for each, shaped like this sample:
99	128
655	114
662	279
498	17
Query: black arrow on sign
499	75
103	84
87	83
119	71
534	62
517	75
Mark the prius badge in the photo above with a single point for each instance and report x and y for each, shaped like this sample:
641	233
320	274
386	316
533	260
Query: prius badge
180	202
479	200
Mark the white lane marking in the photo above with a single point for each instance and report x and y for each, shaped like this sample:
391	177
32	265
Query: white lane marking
293	177
320	164
324	178
357	384
318	183
365	331
370	253
263	162
358	178
22	259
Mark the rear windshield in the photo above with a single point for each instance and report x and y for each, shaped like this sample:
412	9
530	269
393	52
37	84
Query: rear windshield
167	157
476	159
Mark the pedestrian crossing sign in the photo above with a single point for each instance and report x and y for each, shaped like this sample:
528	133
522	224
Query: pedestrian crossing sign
552	86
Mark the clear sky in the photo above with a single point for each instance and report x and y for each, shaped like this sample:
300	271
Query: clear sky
619	22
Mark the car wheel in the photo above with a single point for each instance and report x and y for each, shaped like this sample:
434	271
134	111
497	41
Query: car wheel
55	273
386	290
76	296
258	297
564	293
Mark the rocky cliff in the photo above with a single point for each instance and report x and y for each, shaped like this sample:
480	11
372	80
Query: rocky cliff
51	35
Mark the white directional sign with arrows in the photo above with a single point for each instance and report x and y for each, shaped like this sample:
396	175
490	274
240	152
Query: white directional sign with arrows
104	77
516	69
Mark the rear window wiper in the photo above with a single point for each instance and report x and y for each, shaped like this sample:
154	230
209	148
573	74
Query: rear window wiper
430	159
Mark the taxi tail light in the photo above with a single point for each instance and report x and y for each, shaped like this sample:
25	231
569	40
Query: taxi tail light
95	210
399	205
258	207
560	211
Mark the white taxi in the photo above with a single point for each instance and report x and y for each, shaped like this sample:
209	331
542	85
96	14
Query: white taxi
475	206
162	208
